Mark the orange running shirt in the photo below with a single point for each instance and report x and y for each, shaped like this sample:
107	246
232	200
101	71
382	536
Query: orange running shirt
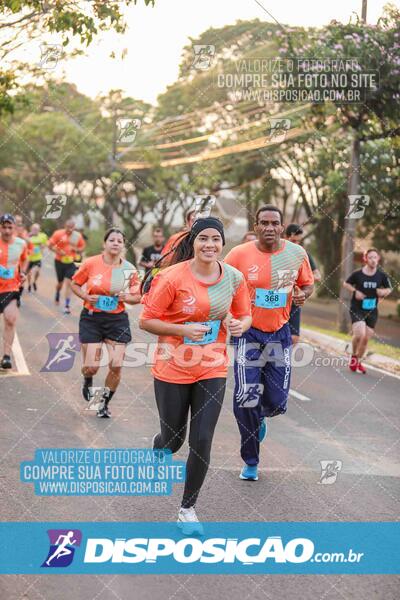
177	296
278	270
69	243
107	280
12	257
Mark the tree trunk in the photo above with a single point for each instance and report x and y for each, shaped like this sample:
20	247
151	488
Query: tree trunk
347	262
328	237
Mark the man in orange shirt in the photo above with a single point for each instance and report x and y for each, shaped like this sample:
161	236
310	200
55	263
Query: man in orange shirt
13	267
277	273
66	244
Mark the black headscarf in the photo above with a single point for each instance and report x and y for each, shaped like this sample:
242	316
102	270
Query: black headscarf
204	223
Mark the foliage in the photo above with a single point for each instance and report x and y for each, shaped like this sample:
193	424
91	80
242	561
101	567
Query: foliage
24	21
376	49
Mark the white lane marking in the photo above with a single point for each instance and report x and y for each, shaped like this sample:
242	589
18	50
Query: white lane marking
299	396
10	373
20	362
378	370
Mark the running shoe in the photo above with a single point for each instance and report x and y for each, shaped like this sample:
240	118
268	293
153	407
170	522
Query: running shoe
67	310
188	522
353	363
249	473
34	287
6	362
361	368
103	412
57	297
262	432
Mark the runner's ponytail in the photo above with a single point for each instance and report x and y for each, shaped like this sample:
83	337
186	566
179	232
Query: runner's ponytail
181	251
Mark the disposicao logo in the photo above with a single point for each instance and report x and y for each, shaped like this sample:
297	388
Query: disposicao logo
191	550
62	547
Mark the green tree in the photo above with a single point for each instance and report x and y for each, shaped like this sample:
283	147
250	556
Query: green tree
23	21
55	140
380	174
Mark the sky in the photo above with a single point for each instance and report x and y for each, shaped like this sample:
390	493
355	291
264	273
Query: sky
156	36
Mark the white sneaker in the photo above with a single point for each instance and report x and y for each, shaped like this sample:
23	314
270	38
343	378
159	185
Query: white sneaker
189	523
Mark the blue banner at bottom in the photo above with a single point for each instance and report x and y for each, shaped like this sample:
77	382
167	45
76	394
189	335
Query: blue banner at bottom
225	548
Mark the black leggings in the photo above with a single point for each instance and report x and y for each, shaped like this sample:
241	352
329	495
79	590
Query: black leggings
205	399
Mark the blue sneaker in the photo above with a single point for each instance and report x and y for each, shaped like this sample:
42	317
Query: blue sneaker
249	473
262	432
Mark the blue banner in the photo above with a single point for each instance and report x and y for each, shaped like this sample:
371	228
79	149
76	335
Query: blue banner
225	548
102	472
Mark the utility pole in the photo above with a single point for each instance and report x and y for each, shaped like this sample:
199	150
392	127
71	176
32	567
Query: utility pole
364	11
112	159
350	224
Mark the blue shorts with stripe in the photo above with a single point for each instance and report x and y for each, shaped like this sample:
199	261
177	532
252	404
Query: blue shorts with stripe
262	380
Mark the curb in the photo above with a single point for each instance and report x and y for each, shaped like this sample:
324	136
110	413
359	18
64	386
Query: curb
328	342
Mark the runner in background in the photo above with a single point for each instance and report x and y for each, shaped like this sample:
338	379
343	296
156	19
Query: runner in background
294	233
151	254
176	237
65	243
187	306
20	228
13	267
111	282
277	273
368	285
38	241
250	236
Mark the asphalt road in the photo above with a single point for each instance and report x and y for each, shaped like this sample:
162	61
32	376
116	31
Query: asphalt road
340	416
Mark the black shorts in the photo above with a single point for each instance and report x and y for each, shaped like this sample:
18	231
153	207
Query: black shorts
35	263
294	320
370	317
64	271
6	298
99	326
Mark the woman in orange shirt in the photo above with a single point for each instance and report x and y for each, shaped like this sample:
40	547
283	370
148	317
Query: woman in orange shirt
186	307
111	281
